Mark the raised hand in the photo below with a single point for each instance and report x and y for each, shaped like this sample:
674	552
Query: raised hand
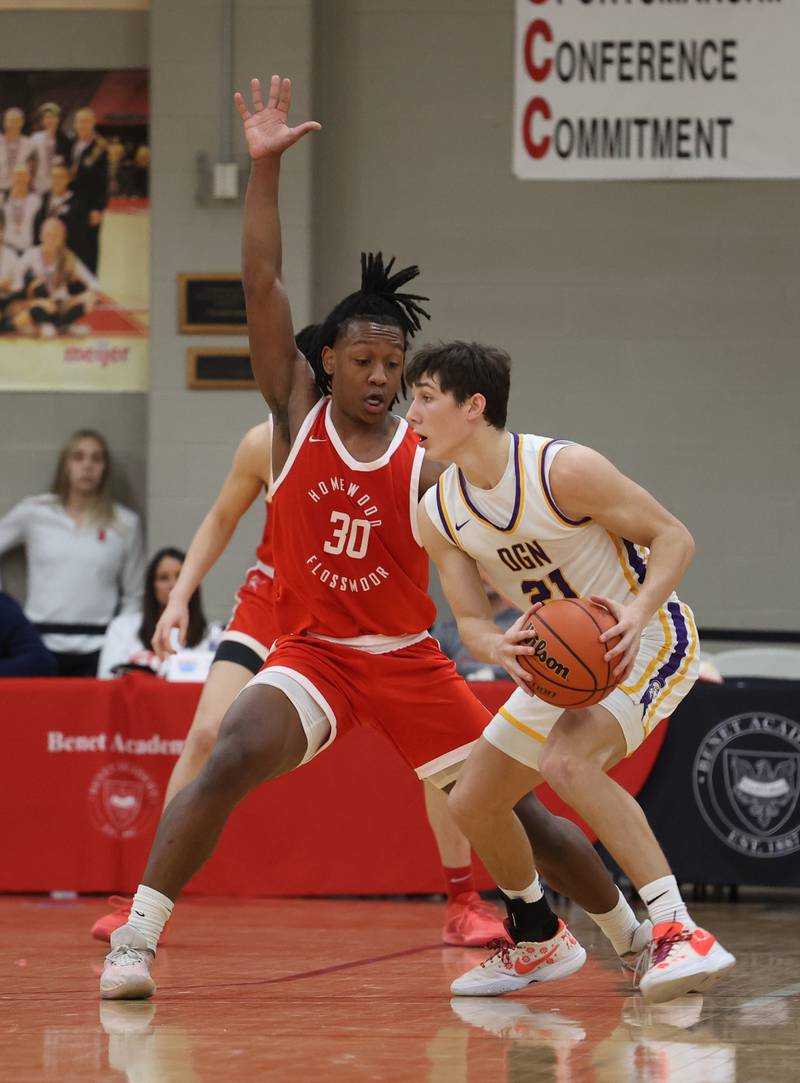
175	615
267	129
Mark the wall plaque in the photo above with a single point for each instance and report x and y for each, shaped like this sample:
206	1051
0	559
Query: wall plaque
211	304
219	368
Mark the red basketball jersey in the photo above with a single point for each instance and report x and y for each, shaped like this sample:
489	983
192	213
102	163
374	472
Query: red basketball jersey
347	553
264	554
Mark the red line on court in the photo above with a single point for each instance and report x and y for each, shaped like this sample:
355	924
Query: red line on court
337	967
352	965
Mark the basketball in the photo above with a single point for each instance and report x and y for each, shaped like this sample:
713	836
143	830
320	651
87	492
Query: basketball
568	668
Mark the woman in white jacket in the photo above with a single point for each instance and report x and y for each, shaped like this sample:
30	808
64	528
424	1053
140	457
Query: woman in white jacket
128	642
84	555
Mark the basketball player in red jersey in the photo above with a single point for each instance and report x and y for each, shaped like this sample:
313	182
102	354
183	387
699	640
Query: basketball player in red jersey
243	648
350	596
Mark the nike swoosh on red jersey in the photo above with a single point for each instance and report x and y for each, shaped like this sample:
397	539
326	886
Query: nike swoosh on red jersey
522	968
317	440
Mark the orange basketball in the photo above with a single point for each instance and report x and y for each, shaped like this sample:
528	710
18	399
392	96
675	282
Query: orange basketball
568	668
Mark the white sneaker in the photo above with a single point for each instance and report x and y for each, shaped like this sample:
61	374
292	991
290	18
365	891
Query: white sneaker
126	974
641	938
513	966
682	960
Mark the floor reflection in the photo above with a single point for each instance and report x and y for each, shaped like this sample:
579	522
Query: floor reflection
625	1042
142	1051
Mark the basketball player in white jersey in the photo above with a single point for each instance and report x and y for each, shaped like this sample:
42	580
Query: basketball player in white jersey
548	519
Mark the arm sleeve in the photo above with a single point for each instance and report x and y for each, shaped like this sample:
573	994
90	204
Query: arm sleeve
22	653
13	527
132	572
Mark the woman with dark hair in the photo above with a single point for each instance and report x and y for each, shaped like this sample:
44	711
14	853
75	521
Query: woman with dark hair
84	554
129	636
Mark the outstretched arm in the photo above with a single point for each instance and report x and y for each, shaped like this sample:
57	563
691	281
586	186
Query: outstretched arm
282	373
584	483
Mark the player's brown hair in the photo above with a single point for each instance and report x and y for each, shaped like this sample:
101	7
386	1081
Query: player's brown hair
464	369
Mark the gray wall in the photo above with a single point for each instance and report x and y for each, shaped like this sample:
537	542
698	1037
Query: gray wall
193	433
657	322
34	425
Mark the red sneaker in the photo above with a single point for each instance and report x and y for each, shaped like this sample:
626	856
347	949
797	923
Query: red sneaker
105	926
470	922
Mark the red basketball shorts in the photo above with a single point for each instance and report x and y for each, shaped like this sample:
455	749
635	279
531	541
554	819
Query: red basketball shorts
412	695
251	630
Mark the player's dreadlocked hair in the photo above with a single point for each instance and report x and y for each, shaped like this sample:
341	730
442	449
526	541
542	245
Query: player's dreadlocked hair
379	301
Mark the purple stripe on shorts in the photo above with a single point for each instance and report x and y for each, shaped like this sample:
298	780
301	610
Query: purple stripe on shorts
638	565
677	655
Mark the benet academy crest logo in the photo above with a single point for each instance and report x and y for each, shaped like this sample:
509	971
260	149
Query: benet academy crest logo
123	799
746	781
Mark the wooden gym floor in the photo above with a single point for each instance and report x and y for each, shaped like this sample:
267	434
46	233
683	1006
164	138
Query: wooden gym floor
339	990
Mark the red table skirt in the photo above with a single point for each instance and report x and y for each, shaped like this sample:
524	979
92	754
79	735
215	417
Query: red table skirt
87	762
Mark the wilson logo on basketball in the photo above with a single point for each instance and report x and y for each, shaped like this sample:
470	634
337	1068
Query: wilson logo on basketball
539	645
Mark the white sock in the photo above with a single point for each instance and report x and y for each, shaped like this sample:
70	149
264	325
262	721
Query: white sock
150	912
531	894
618	925
663	900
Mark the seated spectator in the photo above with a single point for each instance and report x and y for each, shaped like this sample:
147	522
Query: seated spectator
84	555
503	614
129	637
22	653
58	288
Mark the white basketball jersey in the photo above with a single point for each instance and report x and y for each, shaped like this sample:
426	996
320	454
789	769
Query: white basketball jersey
529	549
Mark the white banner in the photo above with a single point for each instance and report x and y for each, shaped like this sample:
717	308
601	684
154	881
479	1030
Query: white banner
629	89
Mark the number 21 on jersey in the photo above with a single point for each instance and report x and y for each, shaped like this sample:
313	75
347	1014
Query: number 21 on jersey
539	590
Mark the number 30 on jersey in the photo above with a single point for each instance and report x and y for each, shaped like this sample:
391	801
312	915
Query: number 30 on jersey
350	536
